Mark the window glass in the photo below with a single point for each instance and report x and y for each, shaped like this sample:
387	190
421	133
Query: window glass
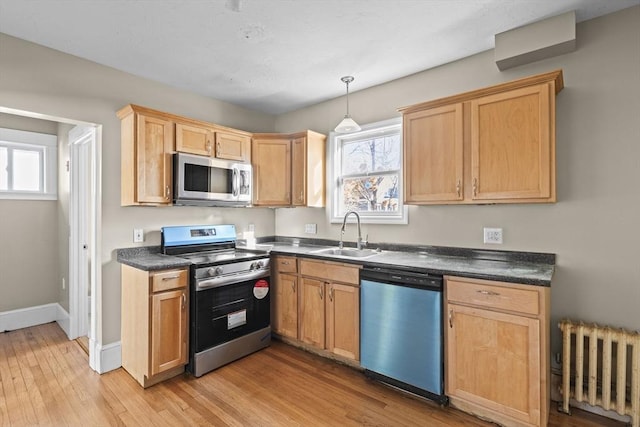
26	170
4	173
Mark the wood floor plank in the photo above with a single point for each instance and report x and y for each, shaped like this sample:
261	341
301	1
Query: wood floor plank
45	379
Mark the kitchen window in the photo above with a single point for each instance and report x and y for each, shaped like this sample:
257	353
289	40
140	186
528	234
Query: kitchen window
28	165
366	174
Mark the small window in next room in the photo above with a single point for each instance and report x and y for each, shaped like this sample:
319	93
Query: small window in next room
28	165
366	174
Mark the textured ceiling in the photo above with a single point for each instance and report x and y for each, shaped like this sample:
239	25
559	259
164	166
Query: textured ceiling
277	55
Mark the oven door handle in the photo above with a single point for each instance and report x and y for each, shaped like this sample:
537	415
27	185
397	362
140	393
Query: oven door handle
230	280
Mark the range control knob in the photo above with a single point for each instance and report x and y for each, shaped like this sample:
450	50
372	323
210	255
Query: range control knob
253	266
215	271
259	264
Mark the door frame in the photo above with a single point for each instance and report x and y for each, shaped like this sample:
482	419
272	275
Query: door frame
81	143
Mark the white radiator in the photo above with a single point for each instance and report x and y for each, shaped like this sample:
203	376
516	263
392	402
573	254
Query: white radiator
607	352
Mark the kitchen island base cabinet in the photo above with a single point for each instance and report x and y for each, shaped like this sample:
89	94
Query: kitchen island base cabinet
154	323
497	350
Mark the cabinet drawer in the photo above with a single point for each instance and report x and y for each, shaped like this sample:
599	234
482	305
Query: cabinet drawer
286	264
506	297
330	271
169	279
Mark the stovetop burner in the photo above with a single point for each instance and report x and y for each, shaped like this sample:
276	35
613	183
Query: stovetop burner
221	257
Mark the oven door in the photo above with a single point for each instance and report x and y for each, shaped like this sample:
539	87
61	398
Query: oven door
208	181
228	312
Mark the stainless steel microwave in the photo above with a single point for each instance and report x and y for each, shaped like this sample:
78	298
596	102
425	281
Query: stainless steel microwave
206	181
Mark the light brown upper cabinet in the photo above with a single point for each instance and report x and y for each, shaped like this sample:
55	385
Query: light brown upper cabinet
149	138
194	139
492	145
215	142
288	169
147	143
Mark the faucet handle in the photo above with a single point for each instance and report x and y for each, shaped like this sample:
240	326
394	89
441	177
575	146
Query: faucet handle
366	240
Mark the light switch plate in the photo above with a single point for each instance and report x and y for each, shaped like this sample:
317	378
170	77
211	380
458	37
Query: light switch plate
311	228
138	235
493	235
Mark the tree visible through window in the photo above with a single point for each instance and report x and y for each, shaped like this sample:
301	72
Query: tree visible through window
368	173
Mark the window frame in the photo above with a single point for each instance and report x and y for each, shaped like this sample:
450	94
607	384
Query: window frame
334	176
45	144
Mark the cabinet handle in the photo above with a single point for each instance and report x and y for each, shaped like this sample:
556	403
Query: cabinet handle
489	293
217	148
170	278
451	318
167	192
475	187
458	187
320	292
184	300
331	293
208	146
301	196
285	262
293	286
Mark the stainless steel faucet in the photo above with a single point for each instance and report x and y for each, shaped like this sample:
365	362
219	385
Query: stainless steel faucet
361	243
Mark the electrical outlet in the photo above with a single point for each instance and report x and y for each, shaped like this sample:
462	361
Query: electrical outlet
138	235
251	227
311	228
64	284
493	235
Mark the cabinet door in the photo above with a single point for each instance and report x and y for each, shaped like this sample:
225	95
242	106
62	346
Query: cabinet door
343	320
285	316
194	140
299	172
271	160
233	146
154	148
512	145
433	155
168	330
494	361
312	312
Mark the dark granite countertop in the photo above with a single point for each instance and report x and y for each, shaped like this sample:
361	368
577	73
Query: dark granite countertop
149	258
509	266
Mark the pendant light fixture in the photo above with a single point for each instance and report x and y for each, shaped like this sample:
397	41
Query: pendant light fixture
347	124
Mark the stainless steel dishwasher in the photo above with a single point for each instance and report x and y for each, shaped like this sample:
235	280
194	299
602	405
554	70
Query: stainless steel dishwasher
401	330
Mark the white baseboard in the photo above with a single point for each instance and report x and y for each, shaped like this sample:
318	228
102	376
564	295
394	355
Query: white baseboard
109	357
30	316
63	320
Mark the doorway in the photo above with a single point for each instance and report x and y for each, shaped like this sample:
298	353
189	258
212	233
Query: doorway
85	270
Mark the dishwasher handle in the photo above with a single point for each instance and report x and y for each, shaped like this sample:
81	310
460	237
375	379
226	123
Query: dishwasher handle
402	278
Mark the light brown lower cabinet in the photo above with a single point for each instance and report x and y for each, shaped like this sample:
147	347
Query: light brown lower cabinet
154	332
284	318
330	307
497	350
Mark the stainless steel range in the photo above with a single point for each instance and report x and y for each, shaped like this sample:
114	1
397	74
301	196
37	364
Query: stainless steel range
229	295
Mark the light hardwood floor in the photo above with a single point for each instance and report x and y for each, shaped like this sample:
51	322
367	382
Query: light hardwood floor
45	380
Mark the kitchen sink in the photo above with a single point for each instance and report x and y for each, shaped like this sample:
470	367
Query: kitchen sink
348	252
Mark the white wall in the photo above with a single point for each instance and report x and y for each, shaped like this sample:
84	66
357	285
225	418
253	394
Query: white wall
42	80
594	228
